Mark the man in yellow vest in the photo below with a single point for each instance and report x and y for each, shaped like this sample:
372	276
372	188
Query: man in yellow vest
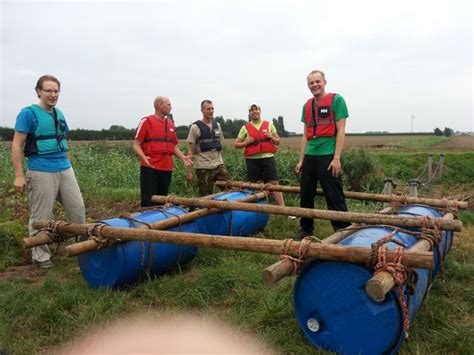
260	139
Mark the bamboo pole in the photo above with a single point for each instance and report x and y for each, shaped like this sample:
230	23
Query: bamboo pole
91	245
357	217
440	203
283	268
379	285
268	246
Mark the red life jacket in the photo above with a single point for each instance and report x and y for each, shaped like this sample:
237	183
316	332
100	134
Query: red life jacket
320	120
262	144
160	140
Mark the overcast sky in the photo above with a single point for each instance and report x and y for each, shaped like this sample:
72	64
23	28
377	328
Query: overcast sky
390	60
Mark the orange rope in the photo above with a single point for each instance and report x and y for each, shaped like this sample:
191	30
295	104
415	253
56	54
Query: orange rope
401	275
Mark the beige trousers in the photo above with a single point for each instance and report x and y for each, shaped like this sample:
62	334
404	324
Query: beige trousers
44	189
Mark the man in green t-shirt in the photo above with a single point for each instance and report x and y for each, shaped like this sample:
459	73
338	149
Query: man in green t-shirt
324	117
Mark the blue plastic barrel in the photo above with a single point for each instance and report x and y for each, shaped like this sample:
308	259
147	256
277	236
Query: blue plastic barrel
125	263
333	309
233	222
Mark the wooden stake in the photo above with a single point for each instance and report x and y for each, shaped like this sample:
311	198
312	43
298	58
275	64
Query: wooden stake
350	194
379	285
268	246
369	218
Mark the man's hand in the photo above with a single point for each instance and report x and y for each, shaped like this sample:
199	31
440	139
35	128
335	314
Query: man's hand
147	161
335	167
298	167
19	184
249	140
187	160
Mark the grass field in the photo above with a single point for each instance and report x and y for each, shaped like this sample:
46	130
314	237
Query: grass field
40	310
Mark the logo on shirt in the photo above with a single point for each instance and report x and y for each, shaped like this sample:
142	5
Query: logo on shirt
324	111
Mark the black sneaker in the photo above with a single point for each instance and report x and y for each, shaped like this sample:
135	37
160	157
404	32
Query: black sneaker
44	264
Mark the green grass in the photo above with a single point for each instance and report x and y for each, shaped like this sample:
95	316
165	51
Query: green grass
38	312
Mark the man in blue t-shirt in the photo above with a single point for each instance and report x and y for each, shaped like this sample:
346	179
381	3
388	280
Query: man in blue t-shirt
40	134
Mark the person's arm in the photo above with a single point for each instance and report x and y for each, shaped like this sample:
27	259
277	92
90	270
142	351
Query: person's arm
335	165
189	168
187	160
304	143
137	147
18	143
273	135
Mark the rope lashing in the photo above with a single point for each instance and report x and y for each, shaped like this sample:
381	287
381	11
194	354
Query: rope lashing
131	219
431	231
304	246
53	233
402	276
373	258
94	232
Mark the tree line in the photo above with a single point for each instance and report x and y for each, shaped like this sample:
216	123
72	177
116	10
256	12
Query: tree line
229	127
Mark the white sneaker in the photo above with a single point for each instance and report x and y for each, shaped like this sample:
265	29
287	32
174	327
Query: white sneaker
292	218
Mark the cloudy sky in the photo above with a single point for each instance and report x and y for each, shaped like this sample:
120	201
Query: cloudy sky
396	63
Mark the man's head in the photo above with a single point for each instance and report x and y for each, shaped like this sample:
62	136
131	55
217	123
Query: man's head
254	112
48	88
162	106
207	109
317	83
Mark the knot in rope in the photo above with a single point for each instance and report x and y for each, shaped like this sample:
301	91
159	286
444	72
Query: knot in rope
94	232
52	230
303	250
402	276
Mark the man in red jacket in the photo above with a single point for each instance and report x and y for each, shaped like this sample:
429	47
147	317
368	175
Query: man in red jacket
156	143
260	139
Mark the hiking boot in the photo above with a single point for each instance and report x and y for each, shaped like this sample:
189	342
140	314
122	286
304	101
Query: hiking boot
44	264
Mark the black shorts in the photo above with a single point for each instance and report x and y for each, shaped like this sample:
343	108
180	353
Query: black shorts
261	169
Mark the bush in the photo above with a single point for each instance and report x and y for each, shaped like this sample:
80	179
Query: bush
359	169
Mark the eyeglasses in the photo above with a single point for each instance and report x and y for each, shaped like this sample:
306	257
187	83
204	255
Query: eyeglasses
51	91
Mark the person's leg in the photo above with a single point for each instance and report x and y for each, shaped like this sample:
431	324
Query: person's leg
333	190
270	176
205	182
308	185
42	189
148	185
220	173
70	197
164	181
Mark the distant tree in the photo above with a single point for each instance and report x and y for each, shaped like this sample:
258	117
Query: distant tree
448	132
6	134
182	132
438	132
117	128
280	126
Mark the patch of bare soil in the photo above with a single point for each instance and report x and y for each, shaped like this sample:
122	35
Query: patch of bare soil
30	272
463	143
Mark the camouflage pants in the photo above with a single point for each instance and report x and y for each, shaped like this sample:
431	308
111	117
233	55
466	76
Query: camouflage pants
207	177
